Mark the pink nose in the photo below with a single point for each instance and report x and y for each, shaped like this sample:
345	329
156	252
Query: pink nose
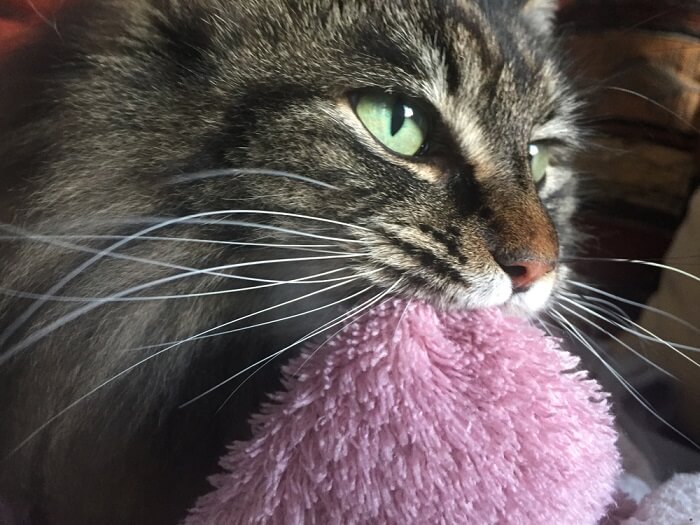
524	273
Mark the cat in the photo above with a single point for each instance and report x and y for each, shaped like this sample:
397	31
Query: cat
195	187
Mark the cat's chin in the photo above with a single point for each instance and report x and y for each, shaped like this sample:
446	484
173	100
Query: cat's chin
491	292
531	301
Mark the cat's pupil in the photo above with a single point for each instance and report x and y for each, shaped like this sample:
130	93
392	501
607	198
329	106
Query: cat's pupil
398	116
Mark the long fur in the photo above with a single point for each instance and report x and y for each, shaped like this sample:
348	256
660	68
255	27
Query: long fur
105	122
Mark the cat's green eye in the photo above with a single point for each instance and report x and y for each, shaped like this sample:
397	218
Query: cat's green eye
539	161
397	125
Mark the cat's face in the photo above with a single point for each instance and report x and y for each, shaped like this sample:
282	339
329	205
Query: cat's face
426	117
441	126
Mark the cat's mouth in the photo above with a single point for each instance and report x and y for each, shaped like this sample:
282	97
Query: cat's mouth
493	291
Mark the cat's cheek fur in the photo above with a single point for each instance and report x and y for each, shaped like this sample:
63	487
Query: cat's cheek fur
540	14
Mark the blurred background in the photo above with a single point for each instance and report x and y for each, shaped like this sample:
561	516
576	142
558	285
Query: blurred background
639	63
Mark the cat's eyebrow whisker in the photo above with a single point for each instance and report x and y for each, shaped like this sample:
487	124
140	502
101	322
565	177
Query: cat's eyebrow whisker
19	322
228	172
657	311
319	248
148	358
330	324
610	335
572	330
65	319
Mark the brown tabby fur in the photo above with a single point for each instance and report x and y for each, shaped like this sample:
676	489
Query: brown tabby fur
102	116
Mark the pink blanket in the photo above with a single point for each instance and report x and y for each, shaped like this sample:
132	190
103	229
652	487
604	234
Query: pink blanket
417	416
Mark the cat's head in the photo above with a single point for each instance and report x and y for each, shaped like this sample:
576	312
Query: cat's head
438	128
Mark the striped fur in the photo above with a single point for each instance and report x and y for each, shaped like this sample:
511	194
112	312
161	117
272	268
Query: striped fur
136	92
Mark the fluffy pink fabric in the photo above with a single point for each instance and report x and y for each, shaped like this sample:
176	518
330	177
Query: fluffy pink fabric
417	416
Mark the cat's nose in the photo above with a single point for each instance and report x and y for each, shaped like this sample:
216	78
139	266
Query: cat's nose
524	273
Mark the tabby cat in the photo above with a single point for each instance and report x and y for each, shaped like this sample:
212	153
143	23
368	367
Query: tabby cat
196	188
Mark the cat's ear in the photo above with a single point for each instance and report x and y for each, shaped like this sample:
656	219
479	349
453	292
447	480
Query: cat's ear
540	13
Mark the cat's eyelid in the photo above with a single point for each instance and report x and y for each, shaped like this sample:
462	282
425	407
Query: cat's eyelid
552	142
557	132
411	97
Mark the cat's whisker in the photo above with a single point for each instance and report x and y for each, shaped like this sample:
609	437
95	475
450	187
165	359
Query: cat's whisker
258	226
257	325
546	327
330	324
201	335
148	358
24	317
602	305
325	342
158	222
281	214
654	103
311	279
228	172
265	362
607	307
65	319
610	335
602	302
207	217
550	328
142	260
332	336
636	261
676	346
655	16
683	258
318	248
580	337
51	23
647	335
653	309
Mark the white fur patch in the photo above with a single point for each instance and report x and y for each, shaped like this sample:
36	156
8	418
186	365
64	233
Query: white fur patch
533	300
